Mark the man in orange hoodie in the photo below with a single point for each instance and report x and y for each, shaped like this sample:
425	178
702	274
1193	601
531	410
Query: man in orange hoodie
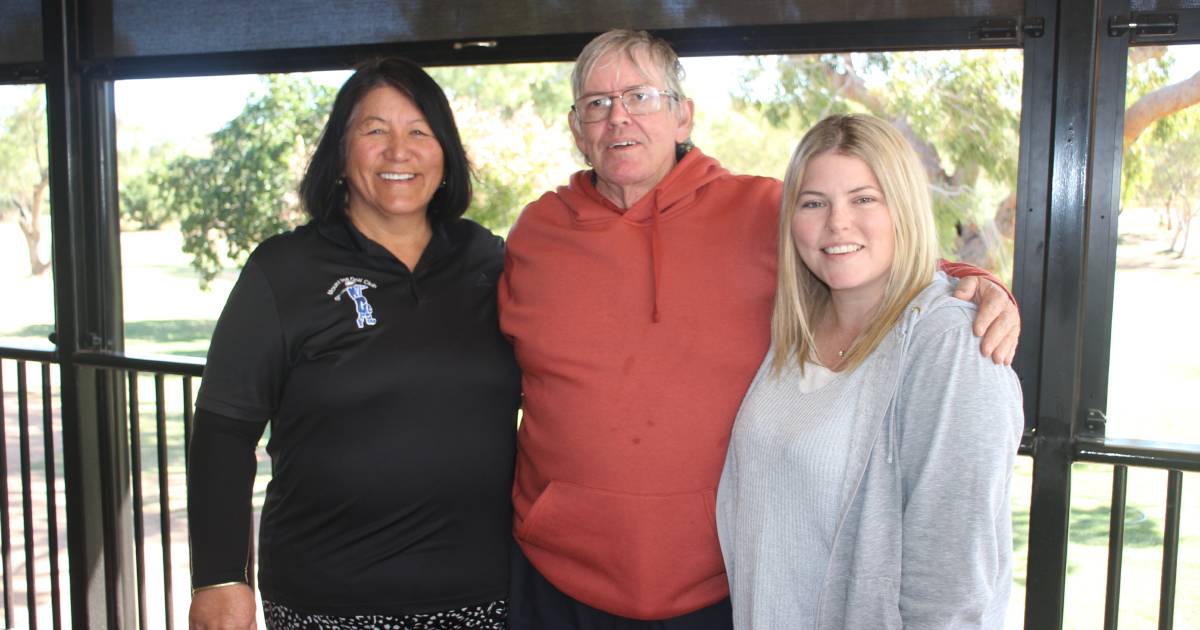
638	300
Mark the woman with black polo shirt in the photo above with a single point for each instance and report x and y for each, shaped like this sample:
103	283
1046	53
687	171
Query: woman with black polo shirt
368	339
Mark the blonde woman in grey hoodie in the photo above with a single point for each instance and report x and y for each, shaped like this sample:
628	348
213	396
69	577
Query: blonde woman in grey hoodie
867	479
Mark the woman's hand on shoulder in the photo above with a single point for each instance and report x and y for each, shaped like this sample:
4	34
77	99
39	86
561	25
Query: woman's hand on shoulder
226	607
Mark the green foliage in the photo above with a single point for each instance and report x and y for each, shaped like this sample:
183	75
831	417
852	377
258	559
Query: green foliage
24	175
22	148
1172	184
724	131
965	103
139	205
546	87
1173	160
960	108
143	175
1137	167
245	191
513	121
793	91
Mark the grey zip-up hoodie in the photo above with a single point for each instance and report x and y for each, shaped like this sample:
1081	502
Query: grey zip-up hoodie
923	536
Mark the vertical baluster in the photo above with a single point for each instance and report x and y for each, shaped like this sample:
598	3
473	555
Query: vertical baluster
164	494
5	535
1116	546
187	446
187	420
51	494
139	527
1170	563
27	497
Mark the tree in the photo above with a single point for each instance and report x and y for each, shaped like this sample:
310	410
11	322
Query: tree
958	109
1160	103
143	173
510	117
1171	184
1159	172
245	190
1148	72
513	121
24	174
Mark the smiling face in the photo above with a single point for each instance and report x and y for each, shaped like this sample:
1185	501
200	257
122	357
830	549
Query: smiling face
631	154
394	163
842	227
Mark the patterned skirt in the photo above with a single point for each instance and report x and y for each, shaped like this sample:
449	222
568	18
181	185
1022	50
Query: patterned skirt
482	617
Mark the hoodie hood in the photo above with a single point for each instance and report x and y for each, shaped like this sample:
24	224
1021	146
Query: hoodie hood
674	194
936	295
676	191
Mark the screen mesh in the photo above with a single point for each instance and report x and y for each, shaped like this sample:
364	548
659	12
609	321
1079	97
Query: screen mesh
167	27
1162	5
20	31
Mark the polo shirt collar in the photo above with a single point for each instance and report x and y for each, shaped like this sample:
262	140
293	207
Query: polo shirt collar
342	231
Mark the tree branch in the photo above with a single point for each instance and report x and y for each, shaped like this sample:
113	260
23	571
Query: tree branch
1142	54
853	88
1160	103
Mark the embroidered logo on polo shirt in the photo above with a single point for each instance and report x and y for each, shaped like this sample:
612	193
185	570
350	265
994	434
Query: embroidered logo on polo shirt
354	287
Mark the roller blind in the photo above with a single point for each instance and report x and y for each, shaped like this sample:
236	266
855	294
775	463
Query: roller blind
1163	5
20	31
169	27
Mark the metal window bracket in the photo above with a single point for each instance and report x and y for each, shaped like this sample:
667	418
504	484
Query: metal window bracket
1095	422
90	341
101	70
478	43
1143	24
27	72
1008	29
1034	26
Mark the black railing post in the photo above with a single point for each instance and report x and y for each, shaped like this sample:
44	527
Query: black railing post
1116	546
1033	197
26	497
1104	206
139	520
1170	563
5	536
49	459
87	294
164	498
1063	295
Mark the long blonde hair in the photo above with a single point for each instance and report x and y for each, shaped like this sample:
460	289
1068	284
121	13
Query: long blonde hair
801	299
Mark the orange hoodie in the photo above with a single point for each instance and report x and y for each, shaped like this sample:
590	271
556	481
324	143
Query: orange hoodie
637	332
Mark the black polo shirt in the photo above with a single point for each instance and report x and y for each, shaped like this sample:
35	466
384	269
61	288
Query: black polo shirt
392	397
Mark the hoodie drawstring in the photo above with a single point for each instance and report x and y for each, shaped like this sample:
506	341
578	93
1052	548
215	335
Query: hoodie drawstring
655	255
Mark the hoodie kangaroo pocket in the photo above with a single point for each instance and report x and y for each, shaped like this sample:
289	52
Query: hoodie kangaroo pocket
615	550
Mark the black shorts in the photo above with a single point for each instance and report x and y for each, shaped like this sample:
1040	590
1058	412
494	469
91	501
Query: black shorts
535	604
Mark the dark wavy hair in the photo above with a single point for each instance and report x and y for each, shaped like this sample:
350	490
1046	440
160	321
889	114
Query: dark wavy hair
323	189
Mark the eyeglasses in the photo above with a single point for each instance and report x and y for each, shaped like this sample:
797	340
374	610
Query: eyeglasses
638	101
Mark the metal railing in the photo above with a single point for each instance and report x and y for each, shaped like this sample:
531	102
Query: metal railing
163	473
166	469
1124	453
39	524
156	476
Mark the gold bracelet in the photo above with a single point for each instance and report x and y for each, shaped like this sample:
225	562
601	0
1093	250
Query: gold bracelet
212	586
